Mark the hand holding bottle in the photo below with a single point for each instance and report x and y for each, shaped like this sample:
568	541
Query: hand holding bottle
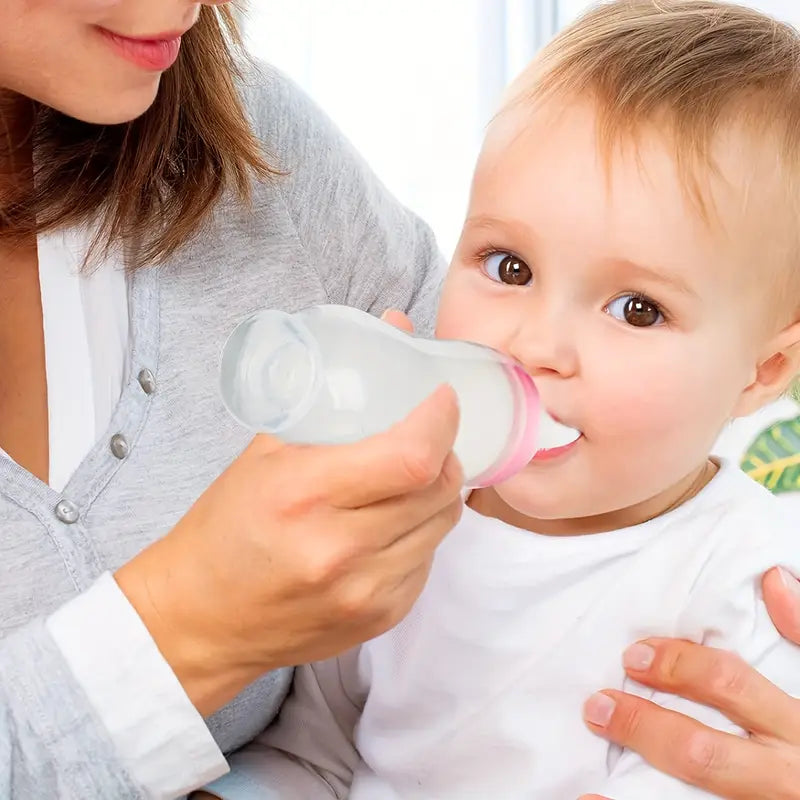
335	374
297	553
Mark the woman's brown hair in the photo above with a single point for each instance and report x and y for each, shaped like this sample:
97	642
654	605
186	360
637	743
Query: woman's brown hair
154	181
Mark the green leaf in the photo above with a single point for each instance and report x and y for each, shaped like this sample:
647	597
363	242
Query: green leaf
773	459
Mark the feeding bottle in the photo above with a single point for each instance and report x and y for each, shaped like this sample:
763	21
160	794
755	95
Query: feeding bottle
332	374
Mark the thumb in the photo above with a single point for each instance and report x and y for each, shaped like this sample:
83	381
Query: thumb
593	797
398	319
395	462
425	438
782	596
434	419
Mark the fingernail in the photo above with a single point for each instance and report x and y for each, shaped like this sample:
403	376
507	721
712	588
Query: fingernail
789	581
599	709
638	657
385	314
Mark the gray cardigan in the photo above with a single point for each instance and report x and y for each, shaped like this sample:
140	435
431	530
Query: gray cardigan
328	232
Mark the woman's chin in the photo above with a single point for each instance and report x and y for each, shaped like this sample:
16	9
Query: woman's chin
107	107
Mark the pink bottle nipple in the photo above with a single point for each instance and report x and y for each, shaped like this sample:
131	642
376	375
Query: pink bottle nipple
523	445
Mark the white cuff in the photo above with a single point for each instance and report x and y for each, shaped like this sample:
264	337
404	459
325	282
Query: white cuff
159	734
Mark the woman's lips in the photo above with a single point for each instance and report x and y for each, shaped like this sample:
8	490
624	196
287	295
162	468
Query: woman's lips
156	54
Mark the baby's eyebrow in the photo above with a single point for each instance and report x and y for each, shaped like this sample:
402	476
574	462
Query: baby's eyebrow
491	226
487	221
664	277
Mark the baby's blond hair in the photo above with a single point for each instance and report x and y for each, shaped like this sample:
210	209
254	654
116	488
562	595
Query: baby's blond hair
688	67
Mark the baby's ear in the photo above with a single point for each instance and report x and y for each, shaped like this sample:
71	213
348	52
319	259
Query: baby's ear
779	365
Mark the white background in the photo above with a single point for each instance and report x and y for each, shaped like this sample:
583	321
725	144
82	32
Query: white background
413	83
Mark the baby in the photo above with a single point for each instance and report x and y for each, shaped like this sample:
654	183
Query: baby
632	240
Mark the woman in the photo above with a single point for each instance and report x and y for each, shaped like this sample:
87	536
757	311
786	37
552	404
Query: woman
126	619
110	422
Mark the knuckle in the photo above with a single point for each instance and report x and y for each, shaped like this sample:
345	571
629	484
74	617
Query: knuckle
670	667
627	722
317	571
324	566
289	503
701	756
727	677
283	493
420	464
358	599
452	475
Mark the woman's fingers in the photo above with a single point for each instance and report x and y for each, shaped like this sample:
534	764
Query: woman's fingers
398	319
716	678
782	596
406	512
723	764
405	459
766	766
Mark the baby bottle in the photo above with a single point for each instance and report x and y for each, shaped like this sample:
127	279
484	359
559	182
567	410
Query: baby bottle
333	374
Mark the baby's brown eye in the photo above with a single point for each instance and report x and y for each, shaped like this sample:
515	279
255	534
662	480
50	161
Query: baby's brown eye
635	310
506	268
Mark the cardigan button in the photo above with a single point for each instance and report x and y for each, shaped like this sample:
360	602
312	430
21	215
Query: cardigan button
119	446
67	512
147	381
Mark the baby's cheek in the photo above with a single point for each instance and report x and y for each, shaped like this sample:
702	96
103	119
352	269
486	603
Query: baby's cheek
682	400
449	327
462	320
449	319
639	405
74	6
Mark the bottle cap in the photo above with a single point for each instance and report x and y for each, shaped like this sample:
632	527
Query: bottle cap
269	371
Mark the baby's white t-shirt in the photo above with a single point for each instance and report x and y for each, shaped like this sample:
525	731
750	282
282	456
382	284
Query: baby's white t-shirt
478	693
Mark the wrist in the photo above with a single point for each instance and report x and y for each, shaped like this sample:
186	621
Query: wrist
209	678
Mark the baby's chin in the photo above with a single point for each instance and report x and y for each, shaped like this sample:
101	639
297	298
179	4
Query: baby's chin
532	502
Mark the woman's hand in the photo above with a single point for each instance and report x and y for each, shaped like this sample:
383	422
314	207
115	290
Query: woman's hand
766	765
398	319
297	553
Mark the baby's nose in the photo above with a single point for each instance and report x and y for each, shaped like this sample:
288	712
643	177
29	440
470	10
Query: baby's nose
545	350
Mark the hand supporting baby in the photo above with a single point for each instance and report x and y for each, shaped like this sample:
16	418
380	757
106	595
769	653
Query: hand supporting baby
765	765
